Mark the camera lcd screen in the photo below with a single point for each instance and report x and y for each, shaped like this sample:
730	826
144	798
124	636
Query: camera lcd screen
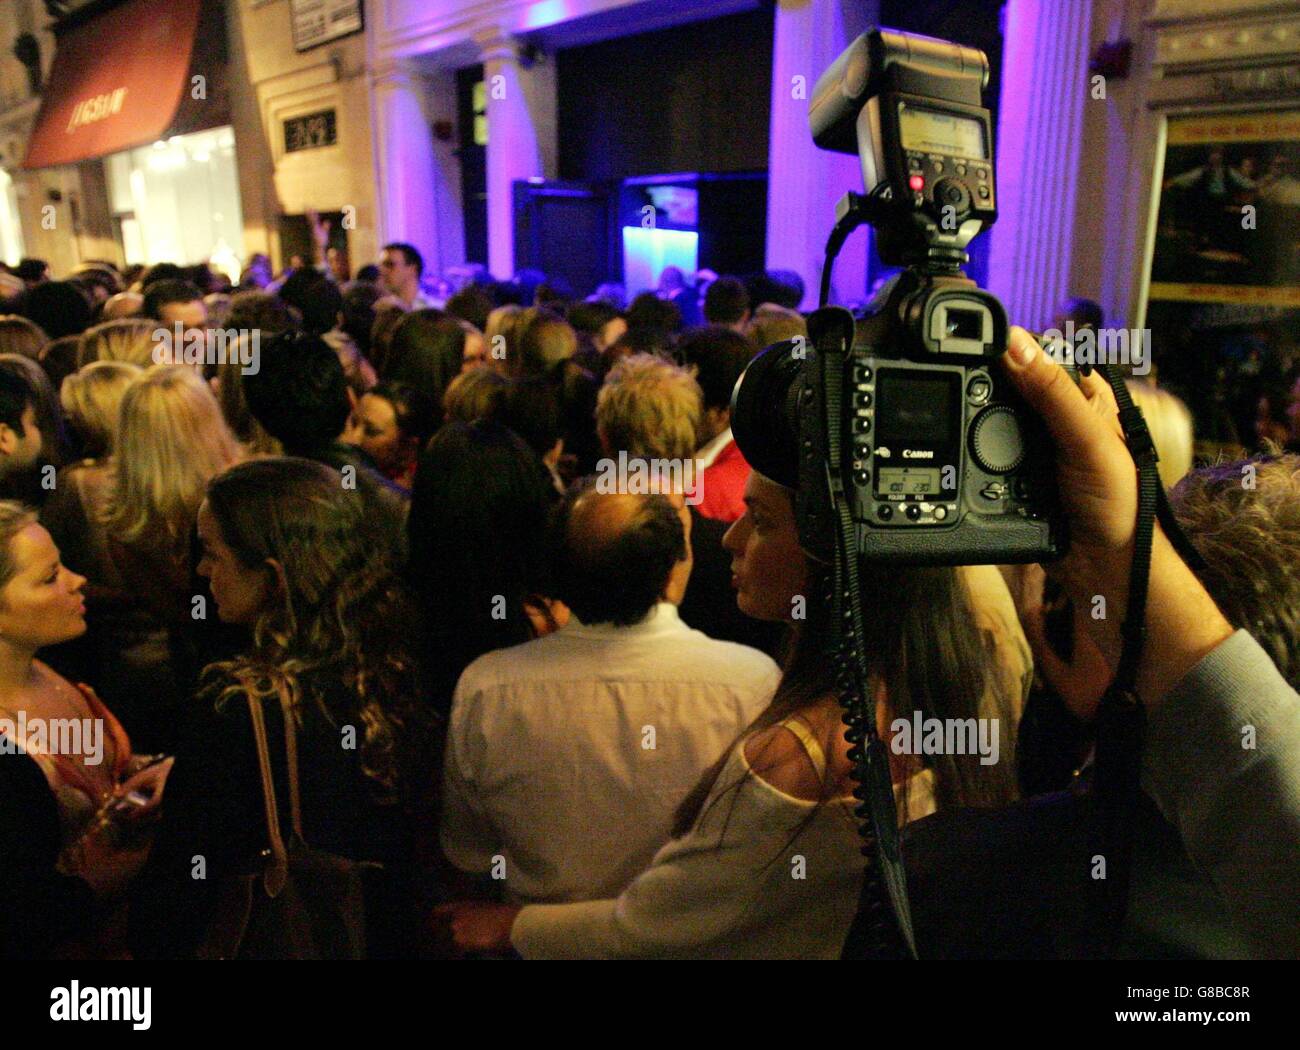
916	410
907	481
929	131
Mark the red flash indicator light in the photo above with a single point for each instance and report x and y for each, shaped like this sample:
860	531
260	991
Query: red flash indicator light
917	182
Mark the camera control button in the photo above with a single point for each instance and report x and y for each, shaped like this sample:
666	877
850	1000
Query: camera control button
940	513
913	511
978	390
863	374
861	425
864	399
991	492
961	169
884	512
984	193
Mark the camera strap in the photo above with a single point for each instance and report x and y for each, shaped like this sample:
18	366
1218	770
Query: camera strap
1121	717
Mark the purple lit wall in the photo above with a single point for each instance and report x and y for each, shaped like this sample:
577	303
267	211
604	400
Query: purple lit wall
804	182
407	173
1039	145
521	141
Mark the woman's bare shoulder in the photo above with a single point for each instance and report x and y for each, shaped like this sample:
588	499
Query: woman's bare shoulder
778	756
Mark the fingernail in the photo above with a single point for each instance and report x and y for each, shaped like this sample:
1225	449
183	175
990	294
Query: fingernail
1022	351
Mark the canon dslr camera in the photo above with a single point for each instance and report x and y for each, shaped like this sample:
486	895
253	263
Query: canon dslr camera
903	415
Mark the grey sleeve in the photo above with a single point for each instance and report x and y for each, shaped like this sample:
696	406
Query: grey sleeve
1222	762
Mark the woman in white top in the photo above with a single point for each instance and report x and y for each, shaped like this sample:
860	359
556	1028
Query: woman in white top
764	859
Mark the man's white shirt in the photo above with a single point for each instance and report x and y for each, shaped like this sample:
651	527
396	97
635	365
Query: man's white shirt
567	755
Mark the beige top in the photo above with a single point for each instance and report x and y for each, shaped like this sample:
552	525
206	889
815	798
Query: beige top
763	875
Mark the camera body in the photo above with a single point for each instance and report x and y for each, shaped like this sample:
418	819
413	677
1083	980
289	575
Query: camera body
939	460
903	414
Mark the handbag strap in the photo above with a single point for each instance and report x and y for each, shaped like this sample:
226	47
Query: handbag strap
291	751
277	870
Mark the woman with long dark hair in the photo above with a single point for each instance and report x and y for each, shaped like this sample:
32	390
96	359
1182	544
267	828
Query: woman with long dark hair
477	532
765	857
288	556
427	351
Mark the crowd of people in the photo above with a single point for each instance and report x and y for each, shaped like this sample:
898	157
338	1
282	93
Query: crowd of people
355	578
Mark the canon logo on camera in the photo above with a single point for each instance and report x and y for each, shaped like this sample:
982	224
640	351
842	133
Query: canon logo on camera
917	453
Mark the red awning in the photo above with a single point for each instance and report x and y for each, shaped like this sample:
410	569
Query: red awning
116	82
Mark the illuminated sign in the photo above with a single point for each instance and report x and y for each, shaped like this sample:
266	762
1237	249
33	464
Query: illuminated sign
96	108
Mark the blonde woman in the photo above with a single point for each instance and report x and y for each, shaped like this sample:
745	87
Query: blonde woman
74	514
91	398
507	322
172	440
129	339
65	850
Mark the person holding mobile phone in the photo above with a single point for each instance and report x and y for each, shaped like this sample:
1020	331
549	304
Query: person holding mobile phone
73	799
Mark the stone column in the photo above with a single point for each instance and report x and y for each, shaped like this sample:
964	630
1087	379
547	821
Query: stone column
1039	152
408	180
521	127
804	182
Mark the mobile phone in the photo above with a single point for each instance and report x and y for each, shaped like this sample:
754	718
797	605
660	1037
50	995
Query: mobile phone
131	800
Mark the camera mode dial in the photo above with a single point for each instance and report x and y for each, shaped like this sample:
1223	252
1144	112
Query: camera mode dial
996	440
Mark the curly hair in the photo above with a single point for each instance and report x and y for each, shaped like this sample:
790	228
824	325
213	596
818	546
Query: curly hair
344	612
1244	518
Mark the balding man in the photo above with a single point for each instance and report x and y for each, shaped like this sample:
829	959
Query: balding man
567	755
123	304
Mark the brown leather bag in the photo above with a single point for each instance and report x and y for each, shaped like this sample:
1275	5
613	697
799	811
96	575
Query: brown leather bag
305	903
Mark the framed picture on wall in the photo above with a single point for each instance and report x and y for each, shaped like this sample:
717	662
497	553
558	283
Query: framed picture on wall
1224	289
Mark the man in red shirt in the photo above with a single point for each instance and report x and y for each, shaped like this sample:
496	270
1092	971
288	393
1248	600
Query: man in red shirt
717	355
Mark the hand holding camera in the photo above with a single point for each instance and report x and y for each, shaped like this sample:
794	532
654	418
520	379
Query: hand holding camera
1094	473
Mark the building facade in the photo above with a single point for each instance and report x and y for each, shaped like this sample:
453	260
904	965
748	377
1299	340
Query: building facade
427	121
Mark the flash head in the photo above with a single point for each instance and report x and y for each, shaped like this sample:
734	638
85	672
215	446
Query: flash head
882	60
